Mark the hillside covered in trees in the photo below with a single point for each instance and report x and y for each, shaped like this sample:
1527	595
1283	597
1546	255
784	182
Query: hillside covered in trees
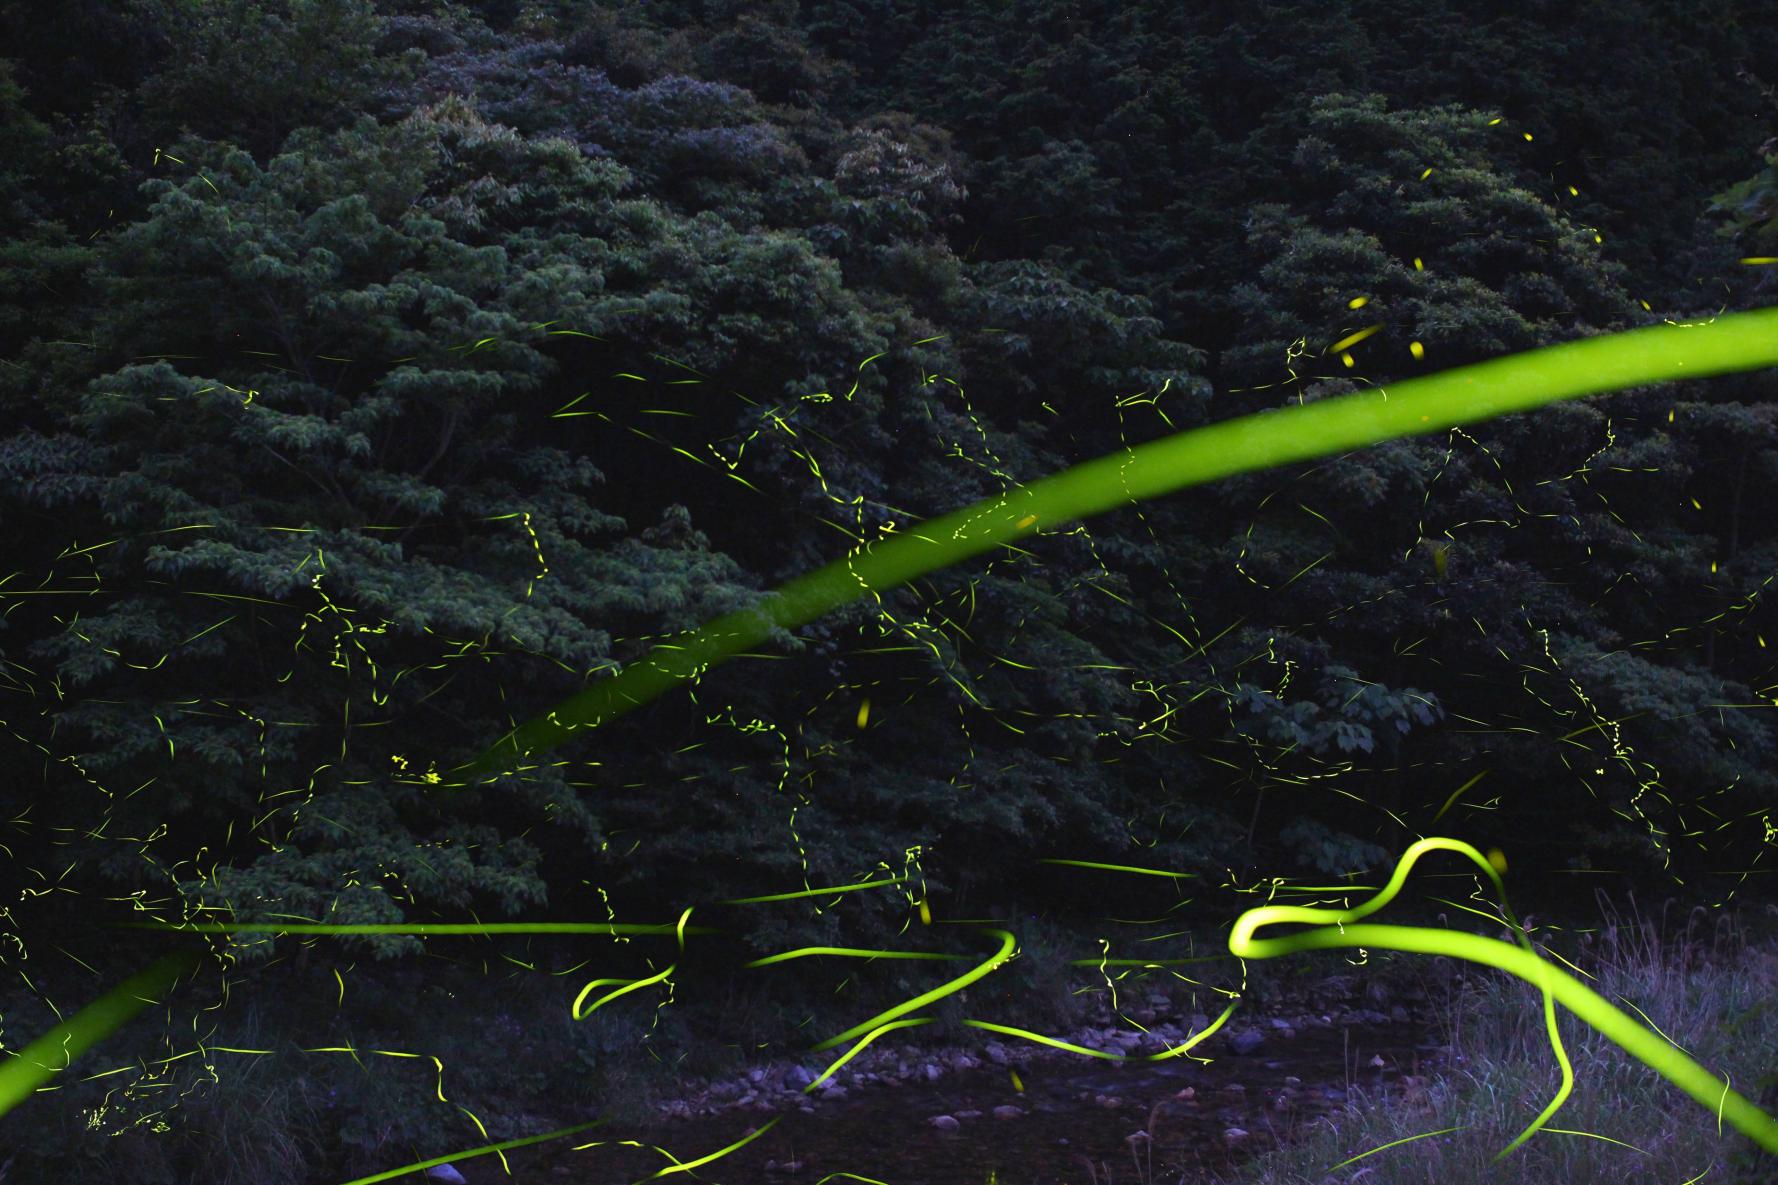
378	374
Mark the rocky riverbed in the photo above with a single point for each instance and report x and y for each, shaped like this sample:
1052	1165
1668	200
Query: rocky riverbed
1018	1112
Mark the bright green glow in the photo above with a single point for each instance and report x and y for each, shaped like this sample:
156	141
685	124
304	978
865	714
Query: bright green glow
1117	867
420	1166
1171	1051
852	952
1007	942
1577	997
859	1048
52	1053
1727	344
1416	407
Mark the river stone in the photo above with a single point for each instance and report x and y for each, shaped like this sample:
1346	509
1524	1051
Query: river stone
834	1092
445	1173
996	1052
932	1072
1247	1041
1235	1135
1008	1111
944	1123
799	1077
755	1076
970	1114
1278	1022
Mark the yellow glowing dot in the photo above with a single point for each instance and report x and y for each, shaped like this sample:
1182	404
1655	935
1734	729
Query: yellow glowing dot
925	914
1494	121
1016	1084
1423	419
1596	237
1644	304
1358	302
1497	859
1418	266
1347	359
1527	135
1669	415
1573	192
1426	174
1762	640
864	712
1417	350
1695	505
1713	567
1026	521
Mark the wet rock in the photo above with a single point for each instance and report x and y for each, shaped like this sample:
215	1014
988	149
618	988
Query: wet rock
933	1073
1292	1080
1398	1014
1144	1016
1235	1135
799	1077
1247	1041
1159	1000
1188	1093
1108	1101
996	1052
755	1076
1235	1088
444	1173
945	1123
970	1114
1278	1022
1008	1111
834	1093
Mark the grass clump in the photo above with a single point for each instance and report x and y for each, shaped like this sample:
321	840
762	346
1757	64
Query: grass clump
1699	980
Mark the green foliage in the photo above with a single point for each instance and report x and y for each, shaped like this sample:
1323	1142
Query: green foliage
403	392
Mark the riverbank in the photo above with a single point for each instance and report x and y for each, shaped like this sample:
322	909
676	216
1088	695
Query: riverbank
1462	1055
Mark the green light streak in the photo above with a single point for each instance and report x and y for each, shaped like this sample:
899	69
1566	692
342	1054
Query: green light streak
1556	984
53	1052
1415	407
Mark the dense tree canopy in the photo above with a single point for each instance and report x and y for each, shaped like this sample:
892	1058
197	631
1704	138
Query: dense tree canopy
378	374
